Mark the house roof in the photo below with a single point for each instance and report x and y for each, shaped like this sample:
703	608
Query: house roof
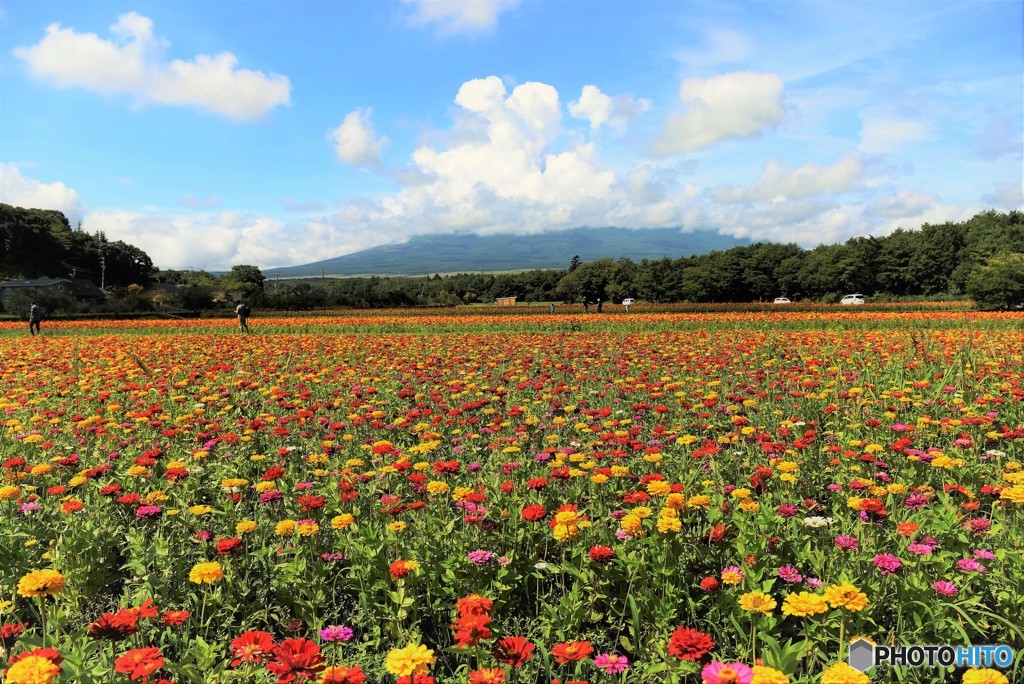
87	289
38	282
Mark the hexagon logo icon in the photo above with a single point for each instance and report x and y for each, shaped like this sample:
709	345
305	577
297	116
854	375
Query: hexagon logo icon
861	656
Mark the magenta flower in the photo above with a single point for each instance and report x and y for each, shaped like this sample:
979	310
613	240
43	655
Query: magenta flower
945	588
480	557
787	511
920	549
612	664
984	554
970	565
847	543
726	673
887	563
916	501
978	526
148	512
788	573
336	633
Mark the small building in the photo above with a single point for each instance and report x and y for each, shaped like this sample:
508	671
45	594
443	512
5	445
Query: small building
505	301
51	286
78	289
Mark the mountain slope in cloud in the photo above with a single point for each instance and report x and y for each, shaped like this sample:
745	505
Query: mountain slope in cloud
470	252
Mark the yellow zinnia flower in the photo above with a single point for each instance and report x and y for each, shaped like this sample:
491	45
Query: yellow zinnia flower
757	602
768	675
206	573
841	673
984	676
41	583
803	604
847	596
340	522
246	526
32	670
413	659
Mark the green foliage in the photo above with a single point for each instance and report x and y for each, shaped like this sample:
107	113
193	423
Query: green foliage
999	284
37	243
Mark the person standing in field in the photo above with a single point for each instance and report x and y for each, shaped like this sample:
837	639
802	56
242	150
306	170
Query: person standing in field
35	317
242	311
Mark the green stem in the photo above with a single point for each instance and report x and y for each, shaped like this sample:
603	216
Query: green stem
42	617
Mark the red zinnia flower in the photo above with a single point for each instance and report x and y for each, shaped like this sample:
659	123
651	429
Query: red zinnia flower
709	584
416	679
173	618
114	626
140	663
9	630
343	675
474	604
534	512
226	547
689	644
50	654
398	570
601	554
488	675
296	658
147	609
571	651
252	647
513	651
471	629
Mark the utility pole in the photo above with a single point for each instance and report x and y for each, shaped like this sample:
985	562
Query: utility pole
103	271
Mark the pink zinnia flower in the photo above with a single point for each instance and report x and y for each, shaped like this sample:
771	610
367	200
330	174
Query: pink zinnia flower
916	501
336	633
970	565
887	563
945	588
726	673
846	542
984	554
788	573
480	557
920	549
611	663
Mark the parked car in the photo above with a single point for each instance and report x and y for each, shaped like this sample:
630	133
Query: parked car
628	301
852	299
782	300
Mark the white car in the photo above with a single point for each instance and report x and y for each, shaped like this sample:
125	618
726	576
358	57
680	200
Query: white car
782	300
852	299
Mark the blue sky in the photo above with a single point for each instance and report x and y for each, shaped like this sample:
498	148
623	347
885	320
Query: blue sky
278	133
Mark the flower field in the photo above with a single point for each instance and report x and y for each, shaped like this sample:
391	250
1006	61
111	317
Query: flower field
718	496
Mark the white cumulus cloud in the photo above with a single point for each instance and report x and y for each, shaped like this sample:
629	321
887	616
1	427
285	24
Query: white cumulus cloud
600	109
735	105
134	62
355	140
459	16
17	190
776	182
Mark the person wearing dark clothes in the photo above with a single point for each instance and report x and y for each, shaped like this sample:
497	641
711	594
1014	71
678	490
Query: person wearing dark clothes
35	317
242	311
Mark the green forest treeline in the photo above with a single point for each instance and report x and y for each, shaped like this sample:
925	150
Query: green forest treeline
982	257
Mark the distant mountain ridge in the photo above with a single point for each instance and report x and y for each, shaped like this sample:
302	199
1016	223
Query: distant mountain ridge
467	253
